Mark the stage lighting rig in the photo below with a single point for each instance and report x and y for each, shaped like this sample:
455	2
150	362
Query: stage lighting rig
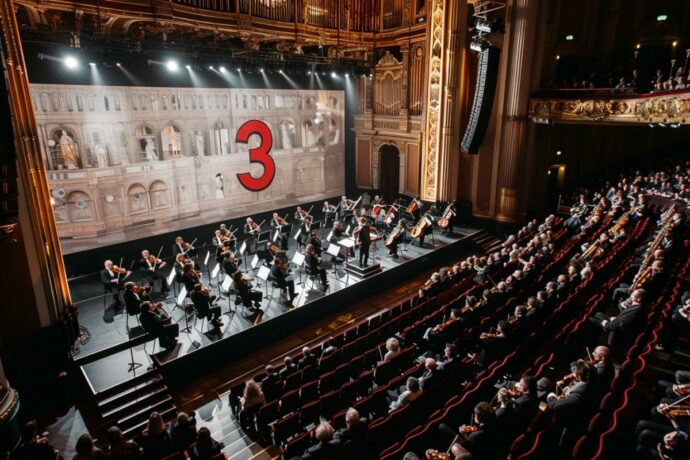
486	22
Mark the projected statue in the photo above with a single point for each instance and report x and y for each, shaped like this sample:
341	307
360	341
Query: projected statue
220	194
101	155
200	143
68	149
285	136
150	150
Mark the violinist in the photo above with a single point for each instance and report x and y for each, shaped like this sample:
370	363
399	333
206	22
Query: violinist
180	262
218	238
182	247
222	251
280	275
305	231
522	397
315	241
251	233
149	267
328	211
438	334
312	260
577	391
157	323
377	200
190	277
204	303
224	230
247	294
603	366
230	264
479	438
301	214
113	278
134	296
282	226
493	343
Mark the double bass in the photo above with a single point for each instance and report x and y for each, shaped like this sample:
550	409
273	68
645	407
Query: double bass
448	214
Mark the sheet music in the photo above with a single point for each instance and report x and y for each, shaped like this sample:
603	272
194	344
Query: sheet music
171	276
243	248
181	296
255	261
298	258
227	284
296	237
215	271
263	273
208	254
330	235
276	235
333	249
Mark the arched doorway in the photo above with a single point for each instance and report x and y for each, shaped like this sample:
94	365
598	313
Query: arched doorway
389	171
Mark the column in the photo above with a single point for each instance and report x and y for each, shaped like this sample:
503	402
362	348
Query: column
444	40
516	87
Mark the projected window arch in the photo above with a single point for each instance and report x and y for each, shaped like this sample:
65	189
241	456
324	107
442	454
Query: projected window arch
171	138
80	206
138	198
287	134
159	194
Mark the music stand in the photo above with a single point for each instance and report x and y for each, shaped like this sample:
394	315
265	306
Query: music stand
298	260
255	261
227	285
214	274
263	237
170	279
330	235
276	235
347	243
334	250
263	274
347	229
180	301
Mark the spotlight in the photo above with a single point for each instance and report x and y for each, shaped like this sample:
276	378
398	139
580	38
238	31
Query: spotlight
261	70
559	153
222	69
172	66
347	75
188	67
239	70
70	62
280	71
118	64
92	64
308	72
210	67
334	75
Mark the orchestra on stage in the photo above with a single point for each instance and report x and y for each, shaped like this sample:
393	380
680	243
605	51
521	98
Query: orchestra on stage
346	234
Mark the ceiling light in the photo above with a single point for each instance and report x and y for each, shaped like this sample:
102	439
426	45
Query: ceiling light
172	65
71	62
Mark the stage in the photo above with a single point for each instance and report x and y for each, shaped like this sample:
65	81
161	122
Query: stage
104	358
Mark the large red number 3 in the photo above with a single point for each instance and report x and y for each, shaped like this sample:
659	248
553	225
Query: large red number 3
260	155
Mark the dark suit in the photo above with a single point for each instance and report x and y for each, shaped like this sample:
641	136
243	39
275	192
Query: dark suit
365	242
306	361
322	451
160	326
313	264
251	238
351	432
573	399
429	379
133	302
625	325
107	278
150	275
282	235
202	304
281	279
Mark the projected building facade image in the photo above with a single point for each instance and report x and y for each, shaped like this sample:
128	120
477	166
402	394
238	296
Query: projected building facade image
157	159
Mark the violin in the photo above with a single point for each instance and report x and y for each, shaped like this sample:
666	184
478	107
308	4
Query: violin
142	289
186	246
467	429
674	411
510	392
118	270
280	221
682	390
154	260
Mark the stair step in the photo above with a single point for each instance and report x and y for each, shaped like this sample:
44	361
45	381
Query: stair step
123	386
127	406
142	414
167	415
130	392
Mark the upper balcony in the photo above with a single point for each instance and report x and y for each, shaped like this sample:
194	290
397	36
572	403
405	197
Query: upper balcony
611	106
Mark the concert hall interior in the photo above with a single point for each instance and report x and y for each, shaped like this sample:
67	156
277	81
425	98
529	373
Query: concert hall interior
344	229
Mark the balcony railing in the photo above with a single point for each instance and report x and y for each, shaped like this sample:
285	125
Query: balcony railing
666	107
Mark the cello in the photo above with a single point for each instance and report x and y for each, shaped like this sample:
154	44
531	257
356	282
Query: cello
448	214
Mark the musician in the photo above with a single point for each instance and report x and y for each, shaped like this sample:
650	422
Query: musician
636	298
577	211
301	214
224	230
312	260
377	200
190	277
204	305
399	231
622	328
251	233
363	232
652	280
315	241
182	247
149	267
280	276
345	208
113	280
180	262
230	264
524	400
135	296
329	212
247	294
603	367
428	229
217	238
222	251
481	441
157	323
576	394
449	215
305	230
281	225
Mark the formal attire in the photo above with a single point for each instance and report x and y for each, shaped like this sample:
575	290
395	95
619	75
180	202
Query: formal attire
150	272
313	263
113	283
159	325
281	279
364	243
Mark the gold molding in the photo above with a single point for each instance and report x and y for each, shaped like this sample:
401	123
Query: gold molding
31	170
653	108
434	105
